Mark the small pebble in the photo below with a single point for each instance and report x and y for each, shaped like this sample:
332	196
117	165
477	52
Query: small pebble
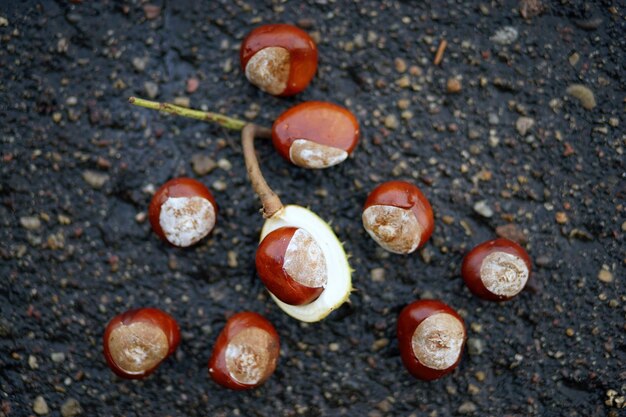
505	36
40	407
57	357
71	408
140	63
583	94
467	407
232	259
95	179
224	164
30	222
219	185
378	274
182	101
391	122
453	86
483	209
475	346
192	85
605	275
151	89
524	124
202	164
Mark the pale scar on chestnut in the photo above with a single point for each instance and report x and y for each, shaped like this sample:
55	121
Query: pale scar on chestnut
186	220
309	154
137	347
251	356
269	69
305	261
503	273
437	341
394	228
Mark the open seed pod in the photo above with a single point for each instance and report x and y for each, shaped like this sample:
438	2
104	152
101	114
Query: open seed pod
320	263
315	134
279	59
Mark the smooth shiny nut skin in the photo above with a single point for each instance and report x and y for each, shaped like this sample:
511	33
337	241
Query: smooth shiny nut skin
137	341
245	353
496	270
315	134
280	59
292	266
431	338
182	212
398	217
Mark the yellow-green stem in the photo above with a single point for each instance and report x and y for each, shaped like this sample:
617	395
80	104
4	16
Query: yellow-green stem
206	116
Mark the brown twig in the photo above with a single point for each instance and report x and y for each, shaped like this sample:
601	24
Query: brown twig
440	50
269	199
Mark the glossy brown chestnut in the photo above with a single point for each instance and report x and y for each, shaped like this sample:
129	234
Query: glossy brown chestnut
245	353
431	336
315	134
292	265
496	270
137	341
182	212
279	59
398	217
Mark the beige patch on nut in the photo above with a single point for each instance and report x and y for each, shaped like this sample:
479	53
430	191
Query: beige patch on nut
186	220
395	229
503	273
269	69
251	356
137	347
305	261
309	154
438	340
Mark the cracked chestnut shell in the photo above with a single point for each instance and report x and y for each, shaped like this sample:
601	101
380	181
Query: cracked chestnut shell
431	337
137	341
398	217
245	353
182	212
315	134
292	265
496	270
279	59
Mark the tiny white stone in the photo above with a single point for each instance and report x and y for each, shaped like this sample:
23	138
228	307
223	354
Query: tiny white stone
308	154
503	273
186	220
437	341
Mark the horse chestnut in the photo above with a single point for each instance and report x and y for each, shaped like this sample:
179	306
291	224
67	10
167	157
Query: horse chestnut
496	270
279	59
315	134
137	341
398	217
292	265
431	336
245	353
182	211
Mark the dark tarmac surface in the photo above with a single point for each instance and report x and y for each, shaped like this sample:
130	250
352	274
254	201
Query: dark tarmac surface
78	164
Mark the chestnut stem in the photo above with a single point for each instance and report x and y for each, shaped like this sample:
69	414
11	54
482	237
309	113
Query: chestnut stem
206	116
269	199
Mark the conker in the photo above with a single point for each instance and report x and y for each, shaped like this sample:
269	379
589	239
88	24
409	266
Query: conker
431	336
315	134
279	59
496	270
137	341
182	211
398	217
245	353
292	265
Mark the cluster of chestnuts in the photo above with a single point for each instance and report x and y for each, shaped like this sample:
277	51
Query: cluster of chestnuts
299	259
